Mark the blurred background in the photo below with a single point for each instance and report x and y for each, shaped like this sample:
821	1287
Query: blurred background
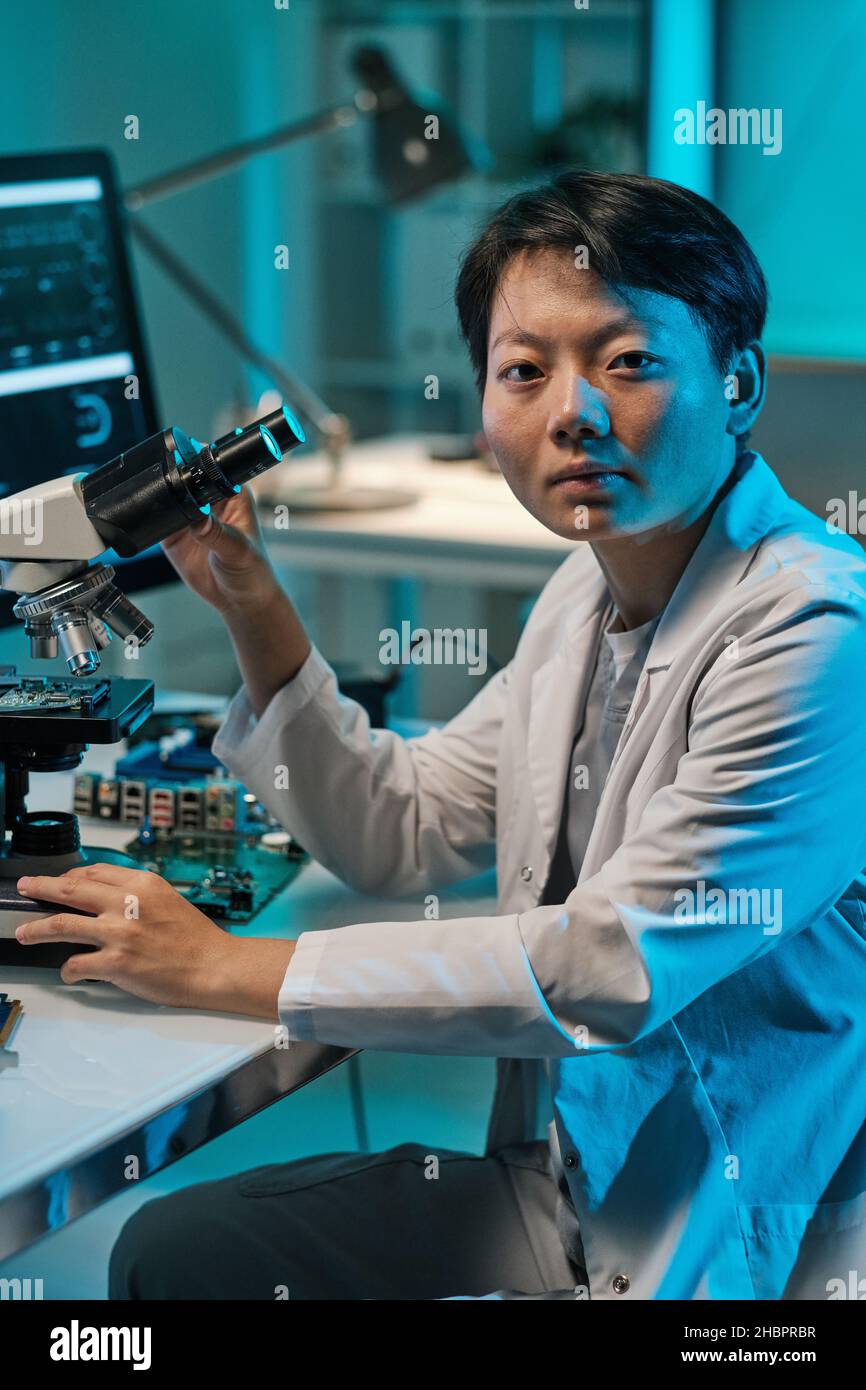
351	292
363	312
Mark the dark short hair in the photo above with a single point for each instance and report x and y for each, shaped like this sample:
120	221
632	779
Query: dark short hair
639	232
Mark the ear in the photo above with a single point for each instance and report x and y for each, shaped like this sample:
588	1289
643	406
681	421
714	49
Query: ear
745	388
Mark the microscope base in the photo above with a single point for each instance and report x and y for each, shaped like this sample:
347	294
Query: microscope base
15	908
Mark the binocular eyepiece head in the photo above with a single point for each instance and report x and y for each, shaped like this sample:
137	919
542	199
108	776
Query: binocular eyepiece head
168	481
158	487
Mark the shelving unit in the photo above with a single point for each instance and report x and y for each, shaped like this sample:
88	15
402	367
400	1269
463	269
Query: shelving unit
387	321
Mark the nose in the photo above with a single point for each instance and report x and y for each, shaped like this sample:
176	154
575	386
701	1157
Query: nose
582	415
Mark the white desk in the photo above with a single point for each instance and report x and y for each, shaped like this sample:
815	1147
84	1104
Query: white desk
94	1076
466	526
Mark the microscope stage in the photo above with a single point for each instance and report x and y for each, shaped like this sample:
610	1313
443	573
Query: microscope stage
52	710
45	692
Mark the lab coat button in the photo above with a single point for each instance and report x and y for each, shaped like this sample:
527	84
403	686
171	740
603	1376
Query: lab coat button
526	873
621	1283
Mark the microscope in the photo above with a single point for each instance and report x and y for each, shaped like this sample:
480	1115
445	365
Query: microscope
72	608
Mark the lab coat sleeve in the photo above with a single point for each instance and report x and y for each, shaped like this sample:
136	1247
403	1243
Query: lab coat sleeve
768	797
387	815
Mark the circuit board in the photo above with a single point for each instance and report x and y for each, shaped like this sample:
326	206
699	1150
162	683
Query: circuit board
10	1012
33	693
228	877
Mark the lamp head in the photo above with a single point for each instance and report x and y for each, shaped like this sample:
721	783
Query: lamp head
415	147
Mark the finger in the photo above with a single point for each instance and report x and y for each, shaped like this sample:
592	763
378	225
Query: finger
237	507
178	558
103	872
178	554
93	965
87	894
176	538
64	926
236	512
230	545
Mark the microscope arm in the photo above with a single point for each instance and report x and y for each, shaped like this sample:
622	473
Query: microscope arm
45	535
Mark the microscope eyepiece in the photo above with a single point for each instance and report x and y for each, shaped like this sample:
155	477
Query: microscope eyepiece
166	482
243	454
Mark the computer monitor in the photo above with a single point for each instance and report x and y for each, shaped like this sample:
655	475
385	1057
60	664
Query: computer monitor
75	386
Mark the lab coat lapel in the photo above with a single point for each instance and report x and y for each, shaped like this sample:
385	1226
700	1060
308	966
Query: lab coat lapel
721	559
560	685
559	690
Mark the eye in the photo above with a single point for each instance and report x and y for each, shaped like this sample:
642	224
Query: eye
634	361
503	375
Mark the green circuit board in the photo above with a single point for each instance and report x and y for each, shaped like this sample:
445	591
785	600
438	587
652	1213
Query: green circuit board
228	877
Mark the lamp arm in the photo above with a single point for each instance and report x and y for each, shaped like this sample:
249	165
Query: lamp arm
214	165
333	428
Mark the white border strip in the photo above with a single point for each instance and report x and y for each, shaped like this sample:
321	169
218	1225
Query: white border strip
29	195
18	383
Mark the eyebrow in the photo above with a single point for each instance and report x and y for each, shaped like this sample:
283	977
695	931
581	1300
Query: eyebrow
595	339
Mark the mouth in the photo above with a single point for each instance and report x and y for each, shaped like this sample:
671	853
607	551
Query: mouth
585	476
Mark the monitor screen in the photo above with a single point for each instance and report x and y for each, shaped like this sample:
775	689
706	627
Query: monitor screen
75	389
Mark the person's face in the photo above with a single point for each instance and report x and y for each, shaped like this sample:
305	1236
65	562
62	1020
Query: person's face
581	377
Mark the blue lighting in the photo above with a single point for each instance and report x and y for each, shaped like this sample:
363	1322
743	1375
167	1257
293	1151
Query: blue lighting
271	442
159	1133
294	424
682	73
57	1187
205	510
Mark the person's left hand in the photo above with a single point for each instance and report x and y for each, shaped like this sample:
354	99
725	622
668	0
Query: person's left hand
153	943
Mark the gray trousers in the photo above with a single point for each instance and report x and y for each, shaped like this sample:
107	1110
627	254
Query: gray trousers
409	1223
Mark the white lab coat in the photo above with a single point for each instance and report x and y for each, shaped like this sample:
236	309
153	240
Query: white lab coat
699	997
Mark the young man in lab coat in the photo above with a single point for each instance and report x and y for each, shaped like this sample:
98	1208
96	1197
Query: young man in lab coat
671	770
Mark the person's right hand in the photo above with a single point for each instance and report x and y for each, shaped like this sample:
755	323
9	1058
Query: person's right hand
223	559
